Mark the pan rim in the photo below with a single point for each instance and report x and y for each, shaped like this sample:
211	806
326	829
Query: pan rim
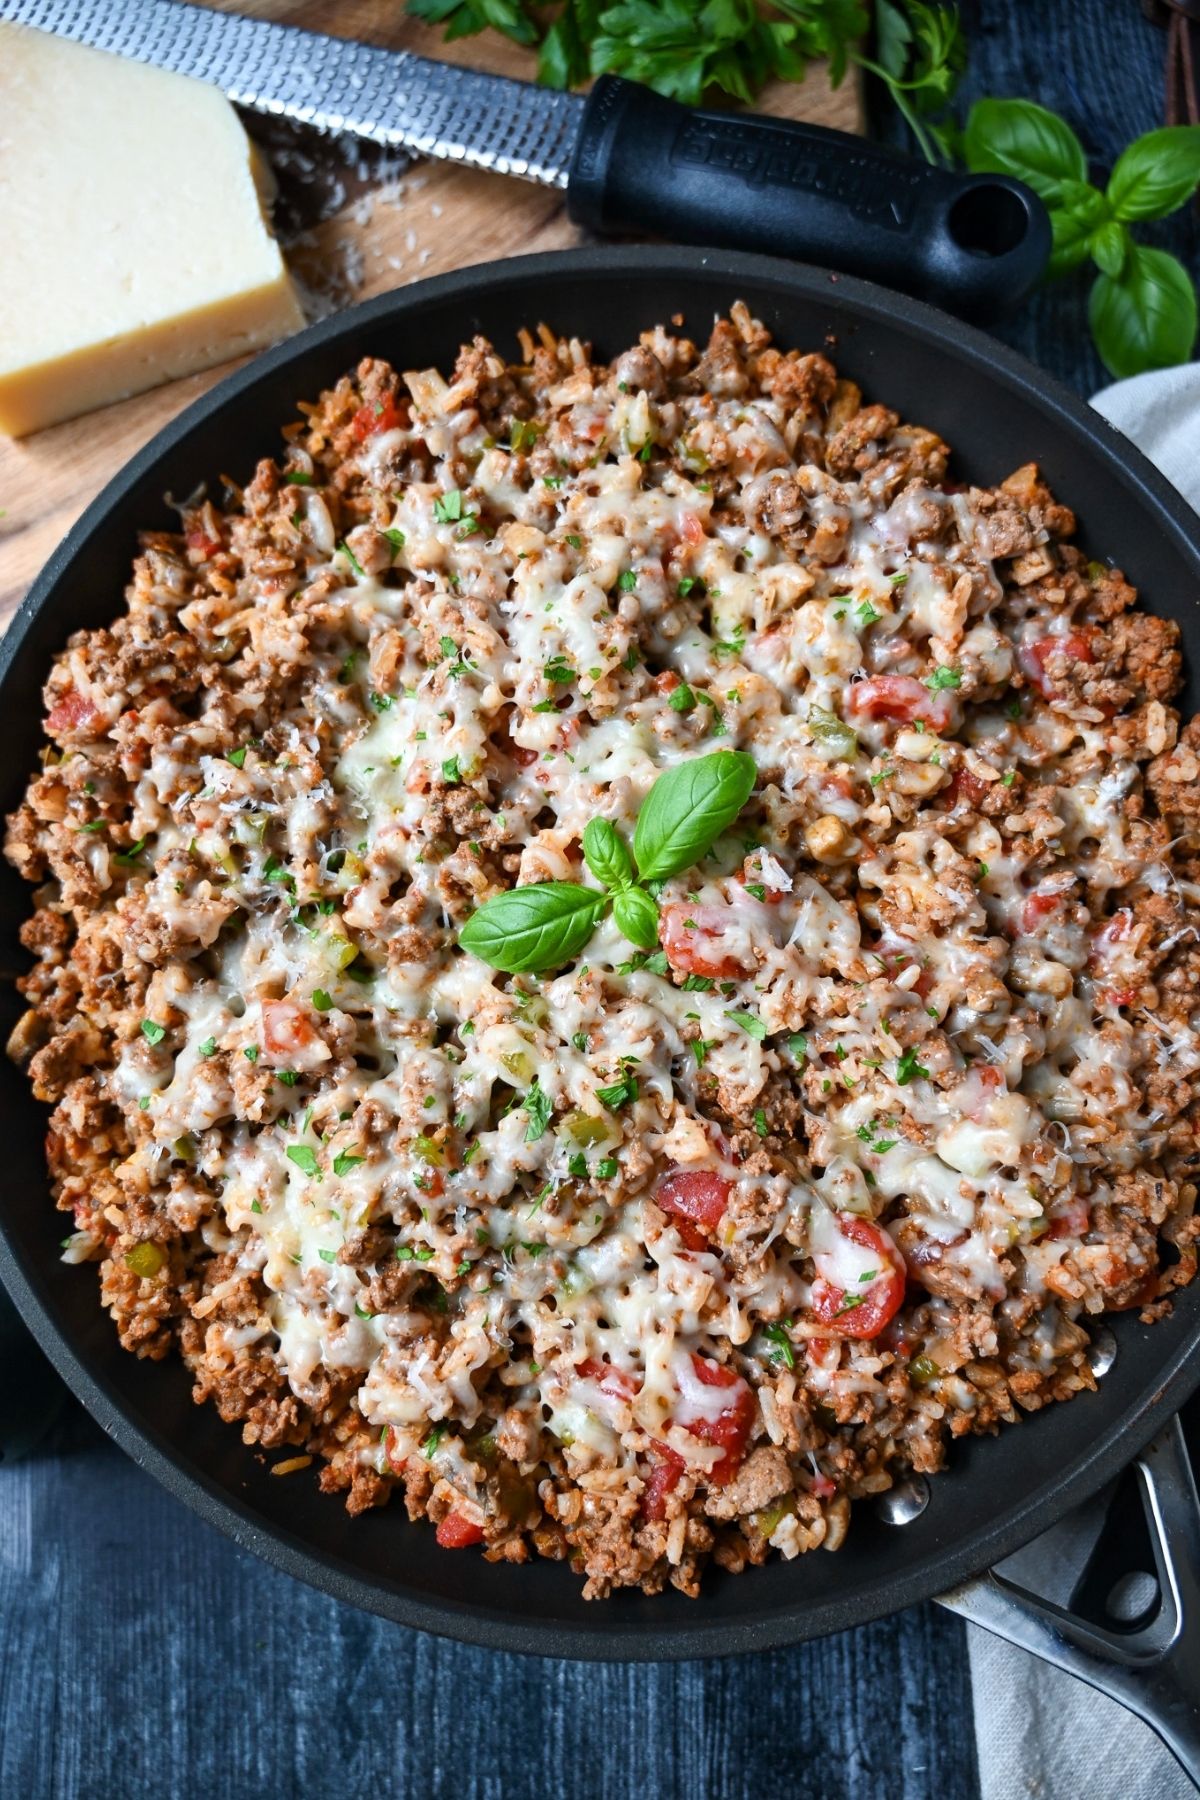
609	1636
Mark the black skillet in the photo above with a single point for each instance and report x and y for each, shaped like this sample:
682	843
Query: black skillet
997	411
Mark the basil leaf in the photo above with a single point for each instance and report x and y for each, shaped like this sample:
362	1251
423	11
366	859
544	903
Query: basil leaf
637	917
1146	318
1015	137
606	855
1109	247
1156	174
533	928
687	808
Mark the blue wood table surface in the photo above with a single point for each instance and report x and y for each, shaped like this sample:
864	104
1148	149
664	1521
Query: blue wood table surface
142	1654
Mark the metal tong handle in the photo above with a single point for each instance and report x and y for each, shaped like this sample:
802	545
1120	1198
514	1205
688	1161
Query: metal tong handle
1154	1668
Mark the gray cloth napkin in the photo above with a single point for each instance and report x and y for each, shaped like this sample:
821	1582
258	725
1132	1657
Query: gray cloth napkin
1042	1735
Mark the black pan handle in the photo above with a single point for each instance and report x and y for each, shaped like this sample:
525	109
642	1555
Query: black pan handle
974	243
1152	1666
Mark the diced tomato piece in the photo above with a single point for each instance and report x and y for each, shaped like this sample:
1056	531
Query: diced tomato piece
289	1036
823	1488
1072	1220
391	1450
74	712
697	1198
1114	932
897	956
1113	958
880	1299
978	1089
617	1383
965	785
823	1353
693	530
729	1431
662	1480
200	540
731	1428
902	699
1034	657
667	682
693	938
455	1532
1039	906
370	419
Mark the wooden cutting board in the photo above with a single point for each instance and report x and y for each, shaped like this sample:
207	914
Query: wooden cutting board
353	226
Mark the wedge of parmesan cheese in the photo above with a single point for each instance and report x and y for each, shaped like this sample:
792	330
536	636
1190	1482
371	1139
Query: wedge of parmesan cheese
132	215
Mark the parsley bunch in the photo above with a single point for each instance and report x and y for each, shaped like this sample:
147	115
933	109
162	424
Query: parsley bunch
687	49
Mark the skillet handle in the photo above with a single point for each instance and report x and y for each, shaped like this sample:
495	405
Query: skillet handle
974	243
1152	1668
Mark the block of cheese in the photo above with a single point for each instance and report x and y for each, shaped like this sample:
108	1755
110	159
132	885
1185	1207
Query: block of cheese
135	243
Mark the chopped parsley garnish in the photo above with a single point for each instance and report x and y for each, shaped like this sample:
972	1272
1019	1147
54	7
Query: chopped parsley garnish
620	1093
327	1255
298	478
580	1041
448	510
867	614
907	1067
781	1345
607	1168
451	770
131	855
577	1166
760	1122
207	1048
344	1161
682	698
943	677
750	1023
798	1045
348	553
251	1053
626	581
537	1106
430	1444
322	1000
305	1159
396	541
701	1048
698	984
237	757
287	1076
153	1034
688	585
558	671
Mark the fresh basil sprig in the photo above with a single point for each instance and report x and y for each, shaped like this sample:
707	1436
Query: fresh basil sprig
530	929
1142	307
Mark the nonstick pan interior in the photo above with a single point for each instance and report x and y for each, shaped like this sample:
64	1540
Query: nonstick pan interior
997	412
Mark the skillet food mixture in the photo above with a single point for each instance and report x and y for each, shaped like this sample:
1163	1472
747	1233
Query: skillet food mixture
651	1205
